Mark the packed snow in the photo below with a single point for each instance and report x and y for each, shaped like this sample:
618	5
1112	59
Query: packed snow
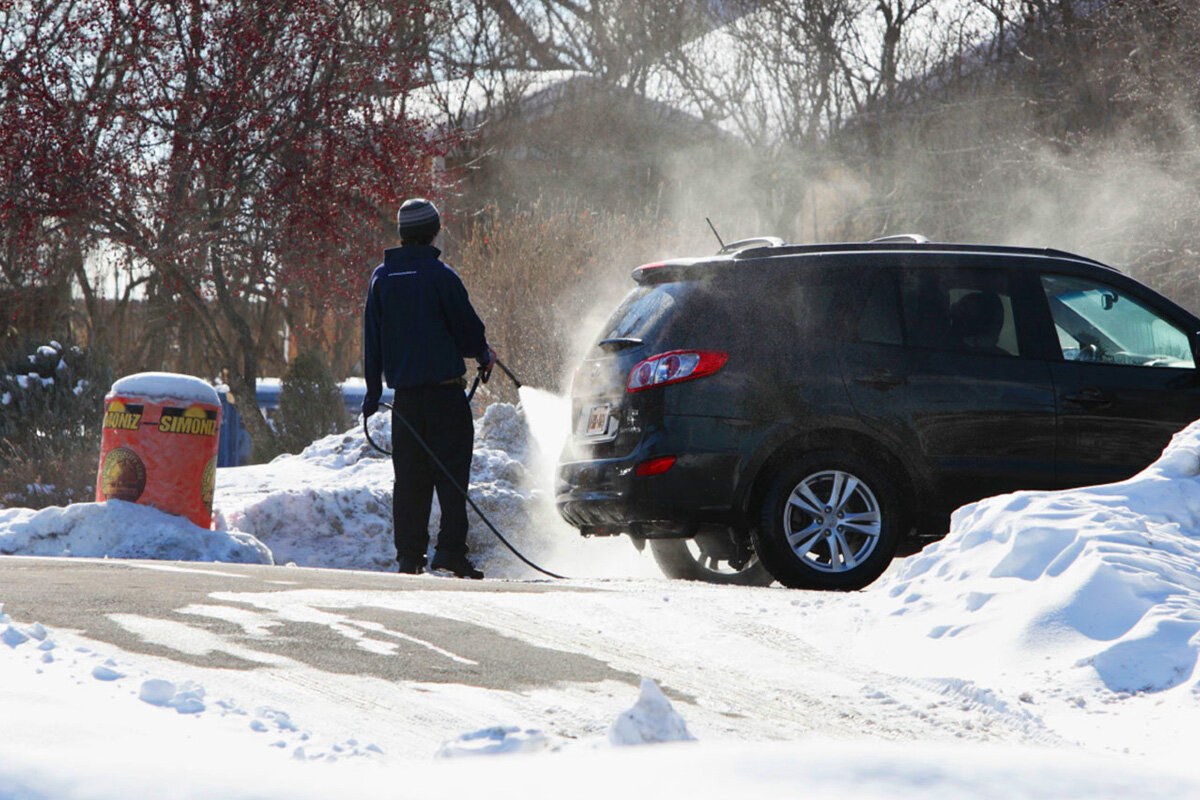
1048	645
82	722
497	740
117	529
156	386
330	505
651	719
1103	580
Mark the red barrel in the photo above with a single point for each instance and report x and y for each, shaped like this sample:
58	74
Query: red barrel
159	445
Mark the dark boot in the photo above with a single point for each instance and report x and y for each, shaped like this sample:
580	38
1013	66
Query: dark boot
457	565
411	566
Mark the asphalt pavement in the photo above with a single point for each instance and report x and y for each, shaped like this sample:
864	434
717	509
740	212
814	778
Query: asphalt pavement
90	596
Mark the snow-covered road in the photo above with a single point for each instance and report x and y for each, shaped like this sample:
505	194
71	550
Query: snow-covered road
561	658
287	665
1046	648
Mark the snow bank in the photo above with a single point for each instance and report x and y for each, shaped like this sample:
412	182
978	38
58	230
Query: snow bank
117	529
814	770
1103	581
330	505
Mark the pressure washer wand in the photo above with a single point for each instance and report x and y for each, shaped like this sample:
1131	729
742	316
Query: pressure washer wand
479	375
508	372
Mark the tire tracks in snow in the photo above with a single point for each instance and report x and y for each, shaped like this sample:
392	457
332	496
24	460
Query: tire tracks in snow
747	676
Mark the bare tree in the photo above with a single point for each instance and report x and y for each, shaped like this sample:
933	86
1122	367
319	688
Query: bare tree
495	46
241	154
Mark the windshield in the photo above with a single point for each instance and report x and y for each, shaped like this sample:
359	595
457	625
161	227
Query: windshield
1096	322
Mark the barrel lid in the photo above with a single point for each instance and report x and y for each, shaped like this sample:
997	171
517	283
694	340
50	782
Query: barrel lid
156	385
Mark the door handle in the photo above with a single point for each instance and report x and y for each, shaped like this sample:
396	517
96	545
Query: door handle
881	379
1091	397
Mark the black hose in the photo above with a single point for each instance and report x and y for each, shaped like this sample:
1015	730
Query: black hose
508	372
429	451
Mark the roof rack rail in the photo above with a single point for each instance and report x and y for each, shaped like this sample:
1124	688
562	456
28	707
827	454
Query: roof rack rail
906	244
756	241
906	238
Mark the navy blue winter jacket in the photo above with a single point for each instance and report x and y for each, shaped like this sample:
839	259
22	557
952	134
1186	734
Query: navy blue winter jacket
418	325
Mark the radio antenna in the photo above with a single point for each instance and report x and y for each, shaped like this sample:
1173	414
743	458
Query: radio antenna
714	230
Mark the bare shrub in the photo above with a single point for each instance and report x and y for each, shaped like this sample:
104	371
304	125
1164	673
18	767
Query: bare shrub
543	276
49	479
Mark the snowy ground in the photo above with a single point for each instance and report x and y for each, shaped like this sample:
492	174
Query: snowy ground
330	506
1046	648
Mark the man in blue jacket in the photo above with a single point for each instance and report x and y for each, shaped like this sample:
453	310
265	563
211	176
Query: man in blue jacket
418	326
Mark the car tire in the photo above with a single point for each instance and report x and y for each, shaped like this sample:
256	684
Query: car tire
681	559
830	520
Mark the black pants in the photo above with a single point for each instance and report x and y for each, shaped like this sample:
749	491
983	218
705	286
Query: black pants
441	415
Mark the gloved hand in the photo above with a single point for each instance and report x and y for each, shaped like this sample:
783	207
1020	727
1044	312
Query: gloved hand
369	406
485	366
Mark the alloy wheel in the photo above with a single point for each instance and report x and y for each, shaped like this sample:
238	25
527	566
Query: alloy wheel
832	521
717	563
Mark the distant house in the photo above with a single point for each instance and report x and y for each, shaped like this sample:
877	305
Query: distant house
571	136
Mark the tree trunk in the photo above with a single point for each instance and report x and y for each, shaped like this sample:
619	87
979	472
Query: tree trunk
96	327
263	441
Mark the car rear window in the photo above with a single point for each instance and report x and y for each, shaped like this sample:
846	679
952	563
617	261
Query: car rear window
645	310
764	309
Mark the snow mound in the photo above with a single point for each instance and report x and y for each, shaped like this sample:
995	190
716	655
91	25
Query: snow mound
1103	579
498	740
117	529
651	719
347	449
312	515
330	505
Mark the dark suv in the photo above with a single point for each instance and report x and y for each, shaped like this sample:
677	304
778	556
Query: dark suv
796	412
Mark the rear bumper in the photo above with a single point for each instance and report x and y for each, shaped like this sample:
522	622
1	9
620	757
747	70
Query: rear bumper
604	495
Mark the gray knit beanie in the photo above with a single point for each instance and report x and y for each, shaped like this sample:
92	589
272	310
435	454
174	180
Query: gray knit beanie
418	218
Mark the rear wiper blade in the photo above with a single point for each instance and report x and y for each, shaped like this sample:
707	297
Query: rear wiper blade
620	343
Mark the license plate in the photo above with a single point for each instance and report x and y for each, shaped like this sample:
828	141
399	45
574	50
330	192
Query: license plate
597	420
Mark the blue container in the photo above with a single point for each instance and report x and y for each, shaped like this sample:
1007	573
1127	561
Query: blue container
233	448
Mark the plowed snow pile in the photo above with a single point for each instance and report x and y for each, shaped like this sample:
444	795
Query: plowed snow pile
1095	583
117	529
330	506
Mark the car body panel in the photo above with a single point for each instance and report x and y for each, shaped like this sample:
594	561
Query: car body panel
978	424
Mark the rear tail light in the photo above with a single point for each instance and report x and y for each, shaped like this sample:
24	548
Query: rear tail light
673	367
655	466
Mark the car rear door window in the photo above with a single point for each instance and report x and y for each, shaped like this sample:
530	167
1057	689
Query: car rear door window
880	322
1096	322
968	311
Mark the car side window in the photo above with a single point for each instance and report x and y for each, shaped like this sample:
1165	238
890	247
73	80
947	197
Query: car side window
1100	323
967	311
879	321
